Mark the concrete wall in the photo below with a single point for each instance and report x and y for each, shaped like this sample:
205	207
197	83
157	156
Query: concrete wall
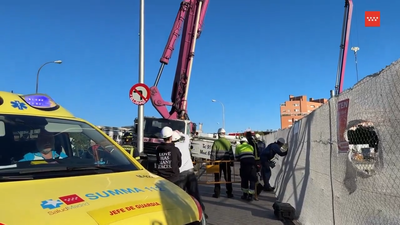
323	185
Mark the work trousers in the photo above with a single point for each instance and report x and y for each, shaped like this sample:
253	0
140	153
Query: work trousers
248	175
224	167
188	182
266	174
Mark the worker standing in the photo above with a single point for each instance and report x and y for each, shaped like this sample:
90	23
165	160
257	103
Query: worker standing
187	179
222	150
245	154
253	143
260	143
168	157
127	144
266	161
257	151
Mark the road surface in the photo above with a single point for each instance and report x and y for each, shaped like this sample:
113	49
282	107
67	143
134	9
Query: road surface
236	211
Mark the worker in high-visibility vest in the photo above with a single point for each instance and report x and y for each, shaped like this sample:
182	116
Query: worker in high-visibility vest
127	144
248	173
253	143
222	150
257	152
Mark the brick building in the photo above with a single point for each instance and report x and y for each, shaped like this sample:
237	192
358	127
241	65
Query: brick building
298	107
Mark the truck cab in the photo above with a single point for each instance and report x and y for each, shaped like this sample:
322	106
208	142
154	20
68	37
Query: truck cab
152	135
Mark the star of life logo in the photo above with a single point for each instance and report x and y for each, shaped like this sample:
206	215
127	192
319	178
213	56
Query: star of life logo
51	204
63	204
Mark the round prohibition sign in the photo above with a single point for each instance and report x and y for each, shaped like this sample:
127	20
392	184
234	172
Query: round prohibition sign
139	94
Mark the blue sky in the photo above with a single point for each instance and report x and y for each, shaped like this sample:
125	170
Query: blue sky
251	55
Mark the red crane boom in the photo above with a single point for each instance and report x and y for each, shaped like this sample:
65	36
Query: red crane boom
344	46
191	14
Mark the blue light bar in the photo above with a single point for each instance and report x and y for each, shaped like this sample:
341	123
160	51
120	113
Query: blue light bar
39	101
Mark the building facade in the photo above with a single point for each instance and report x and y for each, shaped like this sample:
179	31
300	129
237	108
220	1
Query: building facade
114	132
297	107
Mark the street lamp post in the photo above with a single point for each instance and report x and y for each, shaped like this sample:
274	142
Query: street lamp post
223	112
38	72
355	49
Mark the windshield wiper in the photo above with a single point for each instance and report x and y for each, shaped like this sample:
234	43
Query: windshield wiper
99	167
57	169
14	178
72	168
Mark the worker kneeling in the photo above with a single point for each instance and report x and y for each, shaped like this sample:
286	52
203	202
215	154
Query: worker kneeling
248	172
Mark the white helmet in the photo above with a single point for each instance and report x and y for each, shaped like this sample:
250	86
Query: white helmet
176	136
166	132
243	139
258	137
281	140
221	130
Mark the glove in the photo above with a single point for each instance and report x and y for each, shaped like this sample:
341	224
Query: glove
258	168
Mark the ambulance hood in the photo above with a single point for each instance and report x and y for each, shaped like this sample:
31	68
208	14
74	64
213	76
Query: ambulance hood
135	197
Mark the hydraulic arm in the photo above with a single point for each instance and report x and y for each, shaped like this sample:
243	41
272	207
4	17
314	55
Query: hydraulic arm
344	46
191	16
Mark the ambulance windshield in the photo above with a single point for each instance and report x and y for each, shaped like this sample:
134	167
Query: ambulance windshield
30	141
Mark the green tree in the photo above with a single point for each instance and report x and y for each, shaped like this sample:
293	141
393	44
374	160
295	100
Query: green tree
79	141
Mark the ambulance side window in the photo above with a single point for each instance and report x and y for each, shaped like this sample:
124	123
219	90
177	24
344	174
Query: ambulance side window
24	141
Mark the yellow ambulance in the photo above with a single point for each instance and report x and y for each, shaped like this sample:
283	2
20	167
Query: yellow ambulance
59	169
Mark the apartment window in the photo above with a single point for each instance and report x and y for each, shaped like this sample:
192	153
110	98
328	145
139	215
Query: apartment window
288	110
290	120
290	125
283	110
296	110
312	106
295	104
308	110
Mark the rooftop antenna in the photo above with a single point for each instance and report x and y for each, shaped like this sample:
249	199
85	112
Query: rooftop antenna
355	50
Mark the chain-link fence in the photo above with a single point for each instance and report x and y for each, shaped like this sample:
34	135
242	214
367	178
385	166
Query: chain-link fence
344	158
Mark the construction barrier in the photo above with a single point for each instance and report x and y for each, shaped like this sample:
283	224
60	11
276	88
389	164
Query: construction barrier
343	161
210	170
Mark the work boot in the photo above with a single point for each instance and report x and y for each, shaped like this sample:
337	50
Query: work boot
269	189
250	197
256	197
244	196
215	196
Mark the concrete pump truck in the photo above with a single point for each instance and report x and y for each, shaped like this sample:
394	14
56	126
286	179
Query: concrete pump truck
190	20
